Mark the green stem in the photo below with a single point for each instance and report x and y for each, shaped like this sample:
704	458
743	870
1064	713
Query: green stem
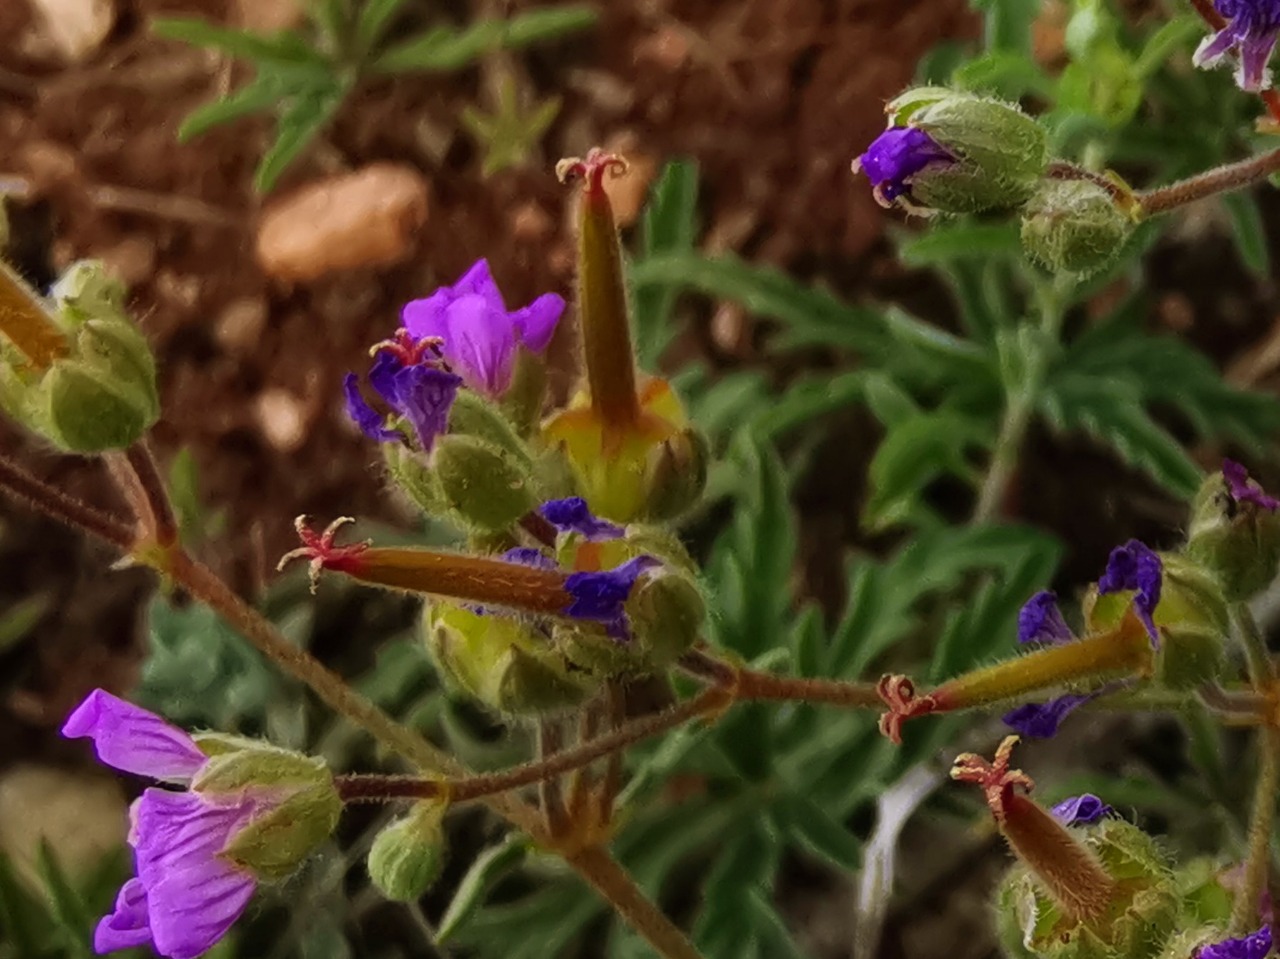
1022	400
1257	865
1261	673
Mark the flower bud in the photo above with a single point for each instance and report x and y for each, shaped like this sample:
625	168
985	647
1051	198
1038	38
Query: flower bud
474	416
415	478
407	856
273	844
1191	618
955	153
100	393
666	611
1074	226
1235	533
503	662
676	475
488	488
1143	912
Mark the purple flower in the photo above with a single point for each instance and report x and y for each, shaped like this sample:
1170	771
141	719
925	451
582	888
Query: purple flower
1238	486
1134	566
530	556
1256	945
1080	810
572	516
600	597
185	896
1249	37
1040	620
1041	720
479	335
409	376
894	157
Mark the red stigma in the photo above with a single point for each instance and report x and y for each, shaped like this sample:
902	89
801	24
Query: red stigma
319	549
995	778
410	351
591	169
898	694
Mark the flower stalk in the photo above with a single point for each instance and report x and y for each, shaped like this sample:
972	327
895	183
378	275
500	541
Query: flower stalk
26	323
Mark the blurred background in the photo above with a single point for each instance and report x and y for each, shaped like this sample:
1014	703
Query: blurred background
264	254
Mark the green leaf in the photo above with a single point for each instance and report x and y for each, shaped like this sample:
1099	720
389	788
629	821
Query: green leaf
1004	73
70	914
1249	232
807	639
958	240
1110	412
375	17
669	226
813	829
298	126
485	871
809	315
24	921
261	94
17	622
285	49
548	23
444	49
1007	23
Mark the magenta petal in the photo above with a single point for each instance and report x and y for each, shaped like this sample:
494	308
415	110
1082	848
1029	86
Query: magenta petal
1252	74
536	323
193	894
194	908
127	926
134	740
1213	48
480	344
479	281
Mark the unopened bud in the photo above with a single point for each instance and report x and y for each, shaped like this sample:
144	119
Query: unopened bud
407	856
956	153
667	613
1236	536
101	393
676	475
503	662
475	416
488	488
1074	226
415	478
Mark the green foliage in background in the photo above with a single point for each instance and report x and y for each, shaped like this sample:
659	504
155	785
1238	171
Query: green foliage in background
302	77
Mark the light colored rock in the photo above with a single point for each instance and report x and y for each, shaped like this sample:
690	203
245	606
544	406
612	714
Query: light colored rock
267	16
367	218
82	816
282	417
72	30
132	260
240	324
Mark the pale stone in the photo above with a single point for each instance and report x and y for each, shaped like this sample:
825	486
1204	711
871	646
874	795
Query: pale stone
367	218
282	417
81	816
240	325
71	30
268	16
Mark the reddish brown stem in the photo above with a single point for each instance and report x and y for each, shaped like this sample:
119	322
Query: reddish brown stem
66	509
1223	179
155	492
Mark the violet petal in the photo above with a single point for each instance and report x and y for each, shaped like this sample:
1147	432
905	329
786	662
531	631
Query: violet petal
369	420
133	739
572	515
1242	491
1134	566
1080	810
600	597
424	396
1040	620
1256	945
1041	720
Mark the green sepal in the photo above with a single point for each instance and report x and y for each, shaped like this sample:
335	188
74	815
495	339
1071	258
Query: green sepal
1074	226
230	774
1000	153
275	844
1240	542
667	613
407	856
410	472
502	661
525	398
676	475
474	416
486	486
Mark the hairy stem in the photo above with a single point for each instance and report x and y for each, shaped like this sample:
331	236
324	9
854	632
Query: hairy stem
1223	179
58	505
1021	404
613	884
163	520
750	684
550	795
1257	864
364	788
